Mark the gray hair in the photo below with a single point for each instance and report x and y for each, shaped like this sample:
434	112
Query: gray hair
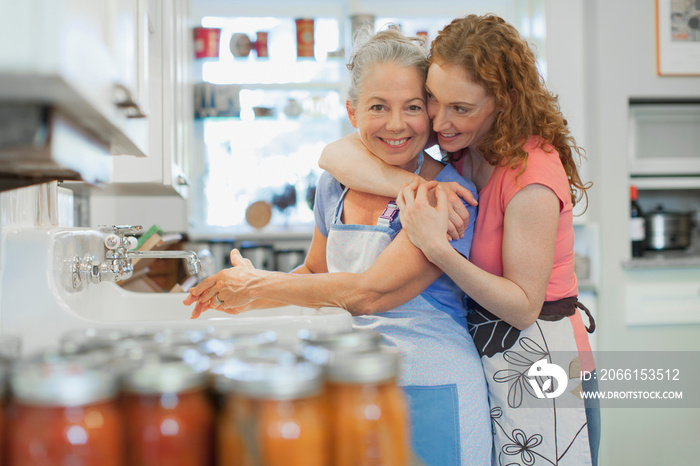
387	46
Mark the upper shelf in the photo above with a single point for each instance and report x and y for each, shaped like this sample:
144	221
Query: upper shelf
666	182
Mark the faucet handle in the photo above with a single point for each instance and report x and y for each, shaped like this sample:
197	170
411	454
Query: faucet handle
121	230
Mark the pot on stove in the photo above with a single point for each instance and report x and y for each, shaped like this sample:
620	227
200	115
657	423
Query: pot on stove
668	230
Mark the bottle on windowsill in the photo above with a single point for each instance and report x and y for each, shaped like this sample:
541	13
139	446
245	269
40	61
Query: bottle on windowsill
637	226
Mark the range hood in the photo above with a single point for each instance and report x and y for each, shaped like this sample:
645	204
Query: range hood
39	142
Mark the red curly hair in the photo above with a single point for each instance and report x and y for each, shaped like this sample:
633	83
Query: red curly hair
496	57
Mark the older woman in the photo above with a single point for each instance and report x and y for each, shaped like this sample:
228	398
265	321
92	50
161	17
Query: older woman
359	259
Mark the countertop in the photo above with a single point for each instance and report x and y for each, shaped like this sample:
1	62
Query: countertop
665	259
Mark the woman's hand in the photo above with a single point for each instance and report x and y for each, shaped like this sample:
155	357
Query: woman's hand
424	211
458	215
228	285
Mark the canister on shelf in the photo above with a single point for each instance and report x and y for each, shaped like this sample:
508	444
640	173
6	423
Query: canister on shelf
424	35
369	416
261	44
206	42
169	415
305	38
62	413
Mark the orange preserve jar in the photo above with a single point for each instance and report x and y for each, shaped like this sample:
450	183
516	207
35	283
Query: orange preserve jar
63	414
168	415
278	411
368	410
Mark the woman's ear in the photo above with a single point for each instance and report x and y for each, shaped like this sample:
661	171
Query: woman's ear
351	113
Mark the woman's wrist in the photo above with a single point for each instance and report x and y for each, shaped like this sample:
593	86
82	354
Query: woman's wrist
438	251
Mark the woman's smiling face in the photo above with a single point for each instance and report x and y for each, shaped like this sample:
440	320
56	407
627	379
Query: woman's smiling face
461	110
391	114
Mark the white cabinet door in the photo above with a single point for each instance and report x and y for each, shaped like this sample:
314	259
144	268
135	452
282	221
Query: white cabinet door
72	54
170	115
662	296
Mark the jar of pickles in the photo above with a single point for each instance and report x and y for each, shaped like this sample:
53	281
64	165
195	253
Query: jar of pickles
274	415
63	413
168	415
368	410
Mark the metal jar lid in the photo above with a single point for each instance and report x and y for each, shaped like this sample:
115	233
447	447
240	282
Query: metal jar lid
321	347
263	375
165	375
364	367
246	361
221	343
66	384
87	339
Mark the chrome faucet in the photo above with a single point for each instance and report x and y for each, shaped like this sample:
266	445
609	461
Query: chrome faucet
193	264
118	264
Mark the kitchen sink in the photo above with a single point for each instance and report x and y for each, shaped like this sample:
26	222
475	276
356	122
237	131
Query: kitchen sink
39	301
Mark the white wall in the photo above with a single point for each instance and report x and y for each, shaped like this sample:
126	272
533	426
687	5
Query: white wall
168	212
619	45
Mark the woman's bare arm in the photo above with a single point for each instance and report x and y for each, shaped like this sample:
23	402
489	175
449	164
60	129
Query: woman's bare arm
530	232
351	163
383	286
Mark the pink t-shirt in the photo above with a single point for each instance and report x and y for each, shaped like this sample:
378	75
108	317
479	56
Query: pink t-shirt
543	168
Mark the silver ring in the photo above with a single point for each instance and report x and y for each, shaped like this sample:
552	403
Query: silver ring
218	301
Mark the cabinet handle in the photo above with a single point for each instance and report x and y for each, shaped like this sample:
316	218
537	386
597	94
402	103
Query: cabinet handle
182	180
125	99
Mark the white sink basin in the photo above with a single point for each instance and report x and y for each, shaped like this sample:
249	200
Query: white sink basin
39	303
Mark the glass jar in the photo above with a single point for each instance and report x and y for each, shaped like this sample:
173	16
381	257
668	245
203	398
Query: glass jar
274	415
321	347
368	410
168	415
63	414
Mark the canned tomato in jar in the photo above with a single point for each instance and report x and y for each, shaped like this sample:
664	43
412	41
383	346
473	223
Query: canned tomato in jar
280	413
368	410
63	414
169	415
305	38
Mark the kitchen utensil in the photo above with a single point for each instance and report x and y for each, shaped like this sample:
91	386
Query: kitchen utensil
258	214
240	45
289	259
262	256
263	112
668	230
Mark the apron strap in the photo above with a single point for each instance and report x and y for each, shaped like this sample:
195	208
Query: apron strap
591	320
552	310
390	212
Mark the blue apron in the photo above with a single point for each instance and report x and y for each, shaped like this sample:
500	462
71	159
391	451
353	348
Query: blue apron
441	372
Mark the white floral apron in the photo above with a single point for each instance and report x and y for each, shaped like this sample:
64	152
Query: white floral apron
441	373
538	424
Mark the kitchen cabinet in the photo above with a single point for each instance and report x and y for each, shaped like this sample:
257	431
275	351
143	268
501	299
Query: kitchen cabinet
81	56
170	95
654	297
663	137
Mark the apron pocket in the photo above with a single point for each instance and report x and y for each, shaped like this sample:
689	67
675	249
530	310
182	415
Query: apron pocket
435	424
